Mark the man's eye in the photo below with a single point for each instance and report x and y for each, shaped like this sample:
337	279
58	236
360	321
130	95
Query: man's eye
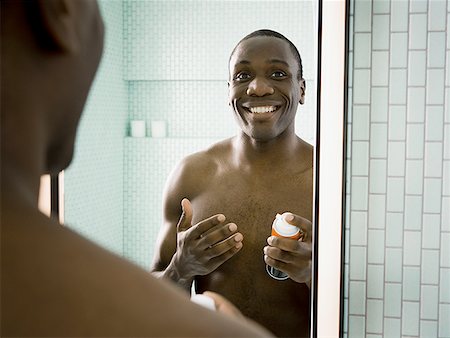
242	76
278	74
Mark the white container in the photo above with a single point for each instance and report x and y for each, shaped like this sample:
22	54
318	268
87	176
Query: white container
137	128
159	129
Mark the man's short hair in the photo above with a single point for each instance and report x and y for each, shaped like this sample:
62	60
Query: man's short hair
268	32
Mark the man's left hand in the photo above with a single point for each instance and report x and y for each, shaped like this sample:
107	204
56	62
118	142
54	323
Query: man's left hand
291	256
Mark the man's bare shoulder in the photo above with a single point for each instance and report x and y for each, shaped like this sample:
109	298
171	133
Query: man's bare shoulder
305	155
196	170
68	286
208	157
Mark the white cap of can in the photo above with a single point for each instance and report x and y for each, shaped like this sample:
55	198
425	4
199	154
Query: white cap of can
284	228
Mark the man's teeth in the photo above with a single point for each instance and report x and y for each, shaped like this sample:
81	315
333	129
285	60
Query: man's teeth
265	109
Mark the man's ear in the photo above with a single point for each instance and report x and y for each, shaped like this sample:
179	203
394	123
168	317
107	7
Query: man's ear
302	91
59	21
228	83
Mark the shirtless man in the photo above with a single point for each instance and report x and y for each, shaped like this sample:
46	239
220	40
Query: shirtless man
231	192
53	281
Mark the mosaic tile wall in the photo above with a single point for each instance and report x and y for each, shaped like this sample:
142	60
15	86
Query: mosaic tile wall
94	181
176	58
397	271
147	163
176	64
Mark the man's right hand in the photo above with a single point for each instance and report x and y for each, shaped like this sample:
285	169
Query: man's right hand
203	247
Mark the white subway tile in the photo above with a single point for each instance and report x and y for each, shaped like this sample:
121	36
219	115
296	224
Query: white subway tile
411	283
375	250
360	158
444	323
417	68
418	6
375	281
399	50
430	266
395	194
417	31
444	283
447	102
380	68
448	35
432	195
350	74
412	245
445	250
434	123
377	211
413	212
429	302
362	52
358	233
361	86
356	326
360	124
447	141
399	16
414	177
379	104
357	263
394	229
428	328
431	230
436	49
380	33
381	7
357	298
435	86
397	123
392	327
447	69
446	178
397	88
436	15
416	104
378	142
392	300
445	216
359	194
351	35
377	176
363	16
393	265
414	141
374	317
410	319
433	159
396	158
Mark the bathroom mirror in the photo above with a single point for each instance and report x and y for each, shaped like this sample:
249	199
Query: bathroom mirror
166	63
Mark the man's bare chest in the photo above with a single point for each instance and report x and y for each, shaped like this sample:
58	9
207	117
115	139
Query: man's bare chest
253	202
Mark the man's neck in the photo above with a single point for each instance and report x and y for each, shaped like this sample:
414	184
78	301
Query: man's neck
250	151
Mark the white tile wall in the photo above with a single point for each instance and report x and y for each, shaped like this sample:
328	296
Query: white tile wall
403	201
416	67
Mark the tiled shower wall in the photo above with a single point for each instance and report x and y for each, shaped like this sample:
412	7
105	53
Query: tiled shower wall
93	183
176	65
397	268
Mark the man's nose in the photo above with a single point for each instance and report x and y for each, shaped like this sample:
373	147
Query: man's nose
259	87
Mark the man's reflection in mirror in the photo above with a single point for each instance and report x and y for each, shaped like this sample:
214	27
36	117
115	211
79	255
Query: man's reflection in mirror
229	194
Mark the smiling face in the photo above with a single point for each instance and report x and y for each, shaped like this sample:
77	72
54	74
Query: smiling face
264	88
